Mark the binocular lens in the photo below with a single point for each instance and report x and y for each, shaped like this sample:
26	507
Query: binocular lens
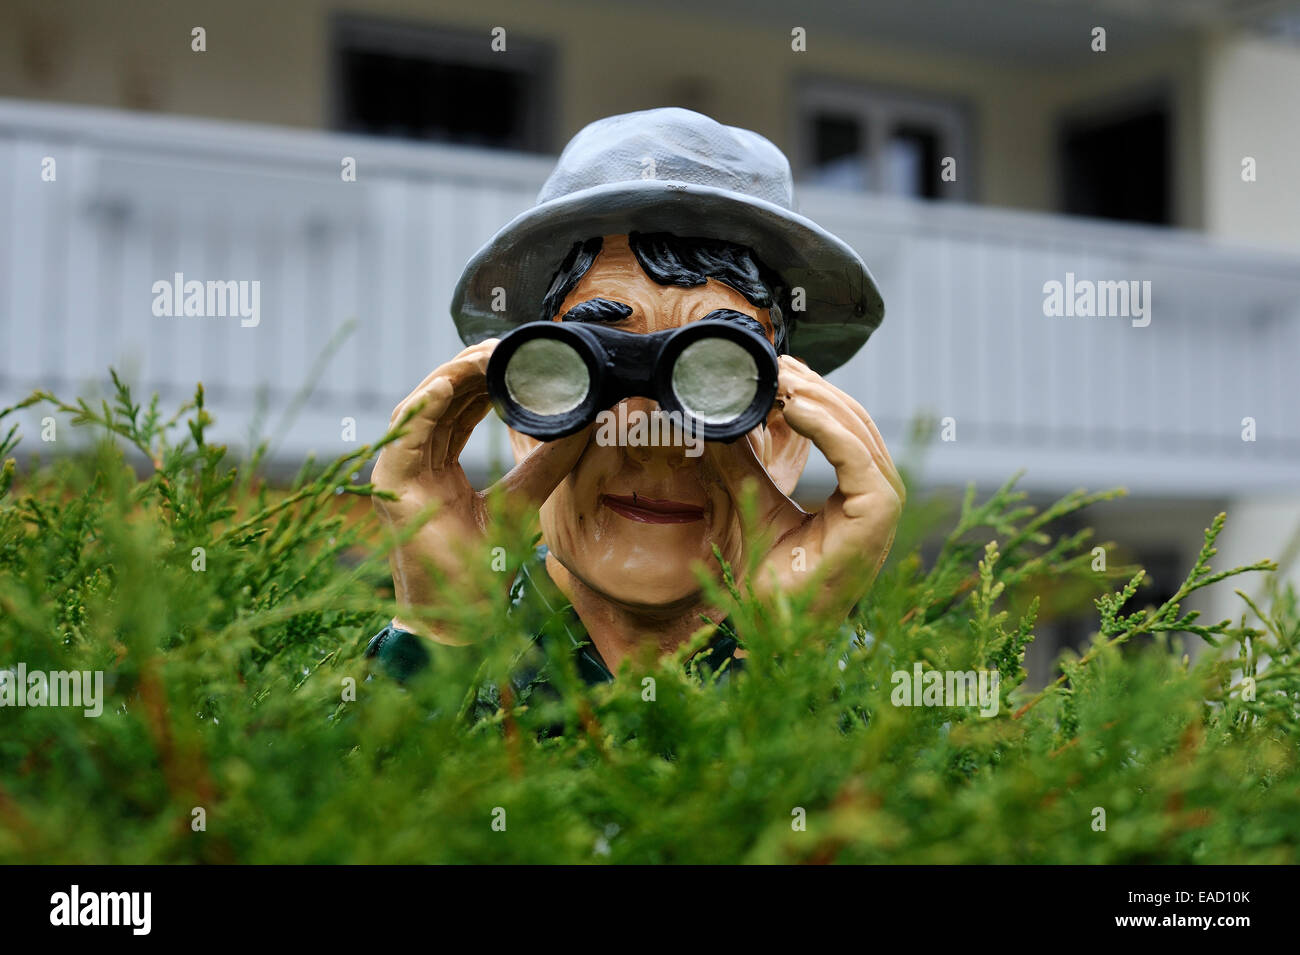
547	377
715	379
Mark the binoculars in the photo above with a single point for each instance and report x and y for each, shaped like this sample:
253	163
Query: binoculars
551	379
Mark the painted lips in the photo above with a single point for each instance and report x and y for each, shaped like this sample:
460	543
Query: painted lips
650	510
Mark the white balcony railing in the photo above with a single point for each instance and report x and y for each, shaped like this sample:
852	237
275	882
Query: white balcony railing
1074	400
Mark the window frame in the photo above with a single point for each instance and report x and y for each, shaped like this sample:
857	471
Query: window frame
877	107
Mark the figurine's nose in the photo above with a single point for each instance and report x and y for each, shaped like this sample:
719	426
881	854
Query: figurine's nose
635	448
645	406
651	440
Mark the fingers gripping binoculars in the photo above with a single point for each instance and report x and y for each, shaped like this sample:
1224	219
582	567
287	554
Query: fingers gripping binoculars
551	379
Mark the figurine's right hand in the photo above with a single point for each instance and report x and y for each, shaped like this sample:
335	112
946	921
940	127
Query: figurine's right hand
421	468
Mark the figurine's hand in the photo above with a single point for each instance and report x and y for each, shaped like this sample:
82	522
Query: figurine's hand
422	468
849	538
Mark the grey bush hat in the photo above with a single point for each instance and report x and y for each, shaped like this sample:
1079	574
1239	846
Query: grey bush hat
674	170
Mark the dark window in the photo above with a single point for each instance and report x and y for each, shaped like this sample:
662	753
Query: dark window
913	158
838	148
441	86
1119	167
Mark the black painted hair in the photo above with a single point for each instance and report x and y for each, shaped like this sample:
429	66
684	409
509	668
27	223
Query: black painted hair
685	262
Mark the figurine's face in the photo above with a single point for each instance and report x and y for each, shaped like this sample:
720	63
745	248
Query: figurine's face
639	552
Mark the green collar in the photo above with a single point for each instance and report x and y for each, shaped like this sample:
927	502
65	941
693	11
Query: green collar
552	618
548	615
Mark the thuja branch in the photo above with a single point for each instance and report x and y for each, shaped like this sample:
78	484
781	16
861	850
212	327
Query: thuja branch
1165	618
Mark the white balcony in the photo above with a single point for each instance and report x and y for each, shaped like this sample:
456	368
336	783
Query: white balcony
1076	401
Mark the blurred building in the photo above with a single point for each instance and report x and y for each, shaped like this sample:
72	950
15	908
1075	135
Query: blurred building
974	152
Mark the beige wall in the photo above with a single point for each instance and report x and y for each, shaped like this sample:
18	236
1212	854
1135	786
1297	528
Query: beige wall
1253	109
269	62
263	65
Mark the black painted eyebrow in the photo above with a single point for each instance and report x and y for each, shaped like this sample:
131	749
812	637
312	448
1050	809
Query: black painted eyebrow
736	318
598	311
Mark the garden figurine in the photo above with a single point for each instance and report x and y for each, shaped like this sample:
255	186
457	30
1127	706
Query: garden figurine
655	332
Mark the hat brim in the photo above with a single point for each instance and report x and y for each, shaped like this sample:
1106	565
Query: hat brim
843	306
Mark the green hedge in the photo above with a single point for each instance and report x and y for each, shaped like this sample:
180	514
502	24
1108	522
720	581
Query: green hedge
227	690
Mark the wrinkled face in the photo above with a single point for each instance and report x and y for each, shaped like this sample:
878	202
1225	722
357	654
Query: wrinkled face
630	521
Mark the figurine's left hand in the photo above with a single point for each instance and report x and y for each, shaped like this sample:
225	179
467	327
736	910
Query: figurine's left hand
849	538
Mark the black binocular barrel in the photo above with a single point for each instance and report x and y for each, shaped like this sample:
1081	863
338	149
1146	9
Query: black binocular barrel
551	379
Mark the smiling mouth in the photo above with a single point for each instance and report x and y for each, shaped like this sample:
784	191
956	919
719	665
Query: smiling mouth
650	510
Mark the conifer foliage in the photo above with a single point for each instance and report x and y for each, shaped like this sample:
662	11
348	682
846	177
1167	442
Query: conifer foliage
242	723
